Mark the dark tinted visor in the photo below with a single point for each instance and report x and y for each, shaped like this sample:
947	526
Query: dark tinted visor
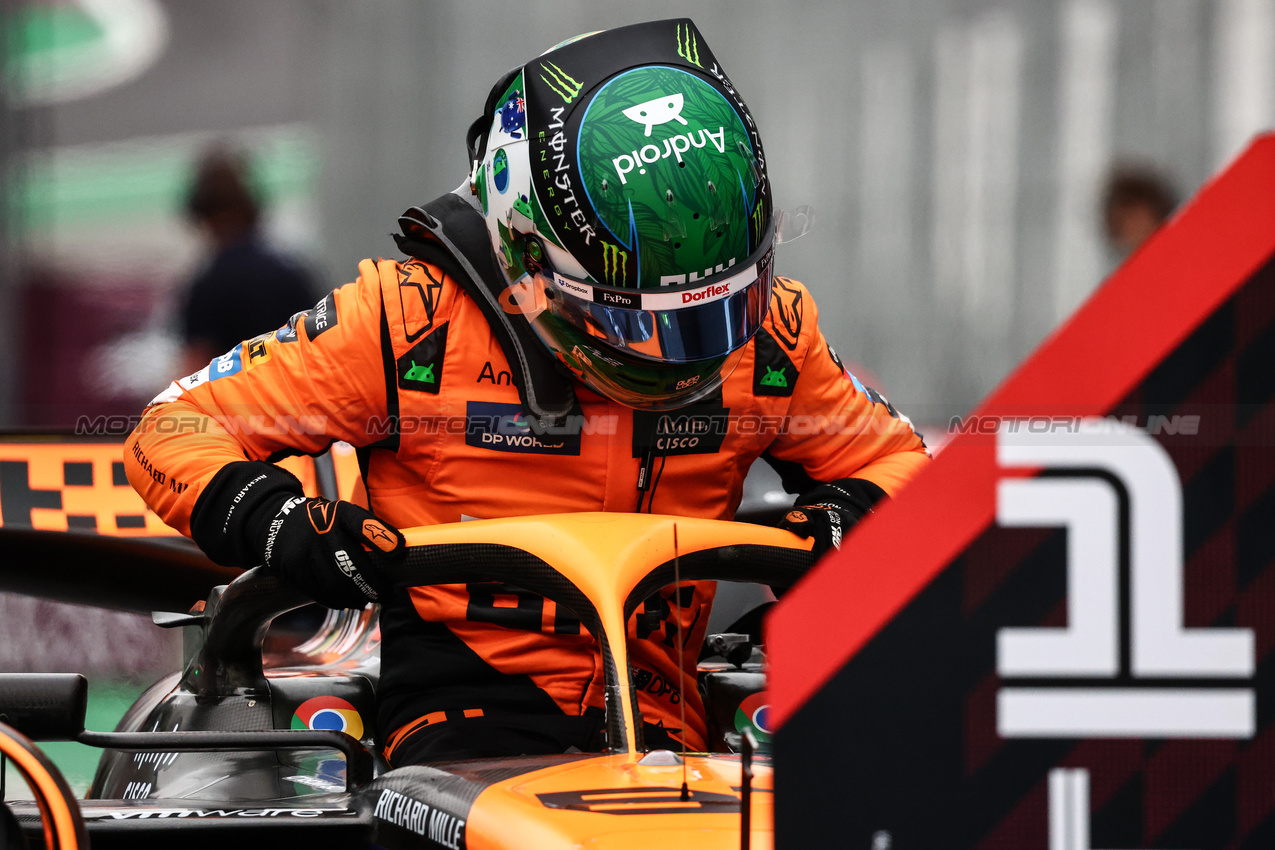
701	320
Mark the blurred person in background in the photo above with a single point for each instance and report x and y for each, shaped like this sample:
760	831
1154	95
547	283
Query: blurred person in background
1136	200
245	285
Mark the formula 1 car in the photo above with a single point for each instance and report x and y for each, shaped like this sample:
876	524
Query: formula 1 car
234	749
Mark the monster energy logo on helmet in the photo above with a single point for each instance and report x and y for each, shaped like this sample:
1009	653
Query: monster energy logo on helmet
643	158
615	264
563	84
688	44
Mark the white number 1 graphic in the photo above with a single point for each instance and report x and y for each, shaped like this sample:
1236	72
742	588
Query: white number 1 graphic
1088	646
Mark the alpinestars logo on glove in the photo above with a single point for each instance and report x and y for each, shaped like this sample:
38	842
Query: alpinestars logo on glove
379	536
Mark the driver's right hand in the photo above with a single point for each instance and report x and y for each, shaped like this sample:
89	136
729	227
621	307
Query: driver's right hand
254	513
332	550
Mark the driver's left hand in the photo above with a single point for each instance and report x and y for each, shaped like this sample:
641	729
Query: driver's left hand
829	511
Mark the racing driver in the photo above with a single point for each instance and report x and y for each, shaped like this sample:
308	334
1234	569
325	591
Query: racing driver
590	322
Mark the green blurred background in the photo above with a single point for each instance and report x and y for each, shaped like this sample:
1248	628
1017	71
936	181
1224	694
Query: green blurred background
108	700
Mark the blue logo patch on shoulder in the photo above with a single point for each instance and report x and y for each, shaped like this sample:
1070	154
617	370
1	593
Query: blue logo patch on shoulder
505	428
226	365
858	385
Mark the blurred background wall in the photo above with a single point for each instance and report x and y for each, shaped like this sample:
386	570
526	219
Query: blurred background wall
954	151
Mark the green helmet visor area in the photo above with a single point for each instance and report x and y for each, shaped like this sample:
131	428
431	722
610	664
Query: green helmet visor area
630	380
707	318
654	349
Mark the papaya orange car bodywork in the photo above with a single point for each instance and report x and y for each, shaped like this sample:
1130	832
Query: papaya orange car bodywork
634	806
616	800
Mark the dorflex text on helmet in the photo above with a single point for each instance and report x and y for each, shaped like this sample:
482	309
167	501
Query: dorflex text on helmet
625	192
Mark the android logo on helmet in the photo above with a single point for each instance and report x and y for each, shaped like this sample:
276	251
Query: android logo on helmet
660	110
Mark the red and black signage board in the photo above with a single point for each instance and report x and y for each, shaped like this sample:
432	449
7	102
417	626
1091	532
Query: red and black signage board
1060	636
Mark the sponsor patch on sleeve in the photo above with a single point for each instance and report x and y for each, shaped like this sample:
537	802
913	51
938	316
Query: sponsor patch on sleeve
421	368
877	398
322	318
226	365
773	371
288	333
191	381
858	385
258	350
174	390
832	352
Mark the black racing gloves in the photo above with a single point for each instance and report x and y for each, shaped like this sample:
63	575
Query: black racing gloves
828	512
255	513
331	550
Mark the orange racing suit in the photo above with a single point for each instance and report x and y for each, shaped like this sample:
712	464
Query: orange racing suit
403	365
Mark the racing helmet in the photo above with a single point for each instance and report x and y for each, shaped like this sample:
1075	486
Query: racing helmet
625	193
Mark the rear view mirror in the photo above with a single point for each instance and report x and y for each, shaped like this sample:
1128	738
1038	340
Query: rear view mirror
44	706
